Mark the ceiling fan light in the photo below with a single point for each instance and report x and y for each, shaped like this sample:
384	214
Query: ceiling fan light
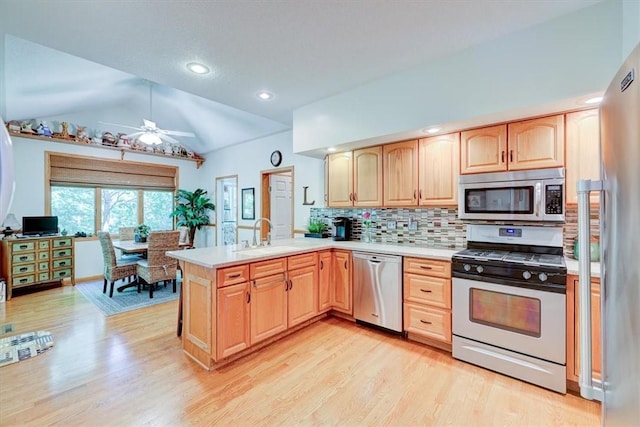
150	138
197	68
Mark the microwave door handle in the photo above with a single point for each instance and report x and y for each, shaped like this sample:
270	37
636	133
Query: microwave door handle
538	198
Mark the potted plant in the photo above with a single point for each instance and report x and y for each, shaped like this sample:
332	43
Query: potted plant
141	233
317	228
192	210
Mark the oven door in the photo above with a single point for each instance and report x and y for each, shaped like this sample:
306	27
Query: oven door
523	320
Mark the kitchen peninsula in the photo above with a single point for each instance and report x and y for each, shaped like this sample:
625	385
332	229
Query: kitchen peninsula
237	301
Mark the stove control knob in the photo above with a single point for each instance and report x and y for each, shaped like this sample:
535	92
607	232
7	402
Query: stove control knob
542	277
467	267
526	275
479	269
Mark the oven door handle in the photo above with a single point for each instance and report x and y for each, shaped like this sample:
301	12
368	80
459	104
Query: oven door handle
538	199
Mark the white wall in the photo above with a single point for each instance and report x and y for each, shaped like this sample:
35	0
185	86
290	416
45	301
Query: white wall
630	26
564	58
250	159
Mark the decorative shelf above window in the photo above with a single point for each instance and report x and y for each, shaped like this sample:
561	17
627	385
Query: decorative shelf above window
123	150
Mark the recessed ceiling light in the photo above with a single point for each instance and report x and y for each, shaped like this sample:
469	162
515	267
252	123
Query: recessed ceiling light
331	149
595	100
264	95
197	68
430	130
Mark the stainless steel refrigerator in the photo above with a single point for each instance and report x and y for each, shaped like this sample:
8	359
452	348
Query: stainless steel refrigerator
620	253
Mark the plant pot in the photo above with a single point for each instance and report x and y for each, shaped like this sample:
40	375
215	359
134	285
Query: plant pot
139	239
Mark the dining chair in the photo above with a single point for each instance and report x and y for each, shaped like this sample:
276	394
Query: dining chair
158	267
114	268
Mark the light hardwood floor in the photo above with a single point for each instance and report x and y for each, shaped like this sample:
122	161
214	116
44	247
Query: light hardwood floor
129	370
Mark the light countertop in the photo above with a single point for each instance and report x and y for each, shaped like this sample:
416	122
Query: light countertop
572	267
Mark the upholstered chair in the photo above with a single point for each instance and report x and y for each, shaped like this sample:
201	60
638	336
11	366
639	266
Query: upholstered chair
114	268
158	267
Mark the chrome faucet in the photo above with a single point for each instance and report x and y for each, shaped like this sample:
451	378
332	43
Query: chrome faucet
255	227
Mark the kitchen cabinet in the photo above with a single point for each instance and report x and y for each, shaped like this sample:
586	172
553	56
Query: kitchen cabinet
268	306
573	329
400	166
324	280
355	178
528	144
302	292
341	290
438	170
427	298
583	152
233	319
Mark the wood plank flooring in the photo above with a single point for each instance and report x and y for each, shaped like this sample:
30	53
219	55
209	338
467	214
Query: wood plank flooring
129	370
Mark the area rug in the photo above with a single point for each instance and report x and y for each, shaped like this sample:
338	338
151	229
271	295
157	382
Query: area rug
127	300
25	346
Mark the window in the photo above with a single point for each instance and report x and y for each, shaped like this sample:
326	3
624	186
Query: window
89	194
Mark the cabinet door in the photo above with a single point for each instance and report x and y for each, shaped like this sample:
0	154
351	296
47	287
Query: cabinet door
439	168
573	329
583	152
340	179
268	307
367	177
400	166
341	289
483	150
324	281
302	295
536	143
233	320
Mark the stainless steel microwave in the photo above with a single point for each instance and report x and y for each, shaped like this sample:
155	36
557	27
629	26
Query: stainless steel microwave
531	195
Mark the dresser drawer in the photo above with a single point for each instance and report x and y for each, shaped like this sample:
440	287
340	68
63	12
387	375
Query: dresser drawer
428	322
23	280
43	244
232	275
426	266
267	268
303	260
43	266
25	257
61	253
24	268
43	255
422	289
57	263
62	243
23	246
43	276
59	274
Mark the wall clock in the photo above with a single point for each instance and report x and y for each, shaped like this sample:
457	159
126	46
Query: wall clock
276	158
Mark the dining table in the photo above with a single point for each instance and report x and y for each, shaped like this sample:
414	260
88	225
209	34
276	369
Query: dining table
130	247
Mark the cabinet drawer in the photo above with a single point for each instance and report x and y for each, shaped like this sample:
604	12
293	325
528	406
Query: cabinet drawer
232	275
59	274
23	246
422	289
57	263
43	255
267	268
26	257
303	260
428	322
43	276
60	253
43	266
25	268
43	244
430	267
62	243
23	280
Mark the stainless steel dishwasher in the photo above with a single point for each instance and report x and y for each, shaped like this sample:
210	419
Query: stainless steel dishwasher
377	290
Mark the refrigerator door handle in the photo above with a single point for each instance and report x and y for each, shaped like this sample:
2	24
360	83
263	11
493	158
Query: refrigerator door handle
587	389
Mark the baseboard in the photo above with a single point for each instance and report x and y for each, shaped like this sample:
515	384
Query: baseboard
88	279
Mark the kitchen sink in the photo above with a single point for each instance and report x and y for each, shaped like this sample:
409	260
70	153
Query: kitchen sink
265	250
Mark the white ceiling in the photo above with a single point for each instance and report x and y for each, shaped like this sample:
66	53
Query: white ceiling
95	57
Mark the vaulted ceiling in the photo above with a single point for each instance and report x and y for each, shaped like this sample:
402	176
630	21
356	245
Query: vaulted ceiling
96	58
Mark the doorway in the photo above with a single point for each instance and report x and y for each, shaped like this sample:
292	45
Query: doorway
277	202
227	212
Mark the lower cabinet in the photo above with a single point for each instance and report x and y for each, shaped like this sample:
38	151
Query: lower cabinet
268	307
302	302
324	280
233	320
341	290
573	329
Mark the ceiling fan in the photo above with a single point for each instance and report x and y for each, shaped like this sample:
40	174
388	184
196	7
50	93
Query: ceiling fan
149	132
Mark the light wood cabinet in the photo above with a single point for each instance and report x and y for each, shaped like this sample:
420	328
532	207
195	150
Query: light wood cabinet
438	170
324	280
483	150
427	298
268	307
355	178
341	290
573	329
302	295
583	152
233	325
400	166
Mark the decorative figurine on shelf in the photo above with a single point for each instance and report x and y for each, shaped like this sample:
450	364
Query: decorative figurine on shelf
64	133
81	135
25	127
43	129
123	140
108	139
13	126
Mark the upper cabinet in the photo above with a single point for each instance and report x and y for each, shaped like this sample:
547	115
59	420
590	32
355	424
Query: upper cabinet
438	166
355	178
583	151
529	144
400	166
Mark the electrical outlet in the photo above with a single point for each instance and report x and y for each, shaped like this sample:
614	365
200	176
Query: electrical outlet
413	224
392	225
6	328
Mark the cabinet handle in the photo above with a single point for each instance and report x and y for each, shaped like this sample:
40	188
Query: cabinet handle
321	265
248	297
234	276
426	267
62	263
23	258
420	194
502	156
414	194
62	253
425	290
511	155
290	284
24	280
426	322
23	269
351	197
345	264
23	246
355	197
62	273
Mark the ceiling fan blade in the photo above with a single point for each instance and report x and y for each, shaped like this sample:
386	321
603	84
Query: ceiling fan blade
149	124
177	133
116	124
167	138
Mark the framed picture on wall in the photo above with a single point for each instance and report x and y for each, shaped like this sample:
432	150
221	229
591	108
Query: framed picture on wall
248	205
